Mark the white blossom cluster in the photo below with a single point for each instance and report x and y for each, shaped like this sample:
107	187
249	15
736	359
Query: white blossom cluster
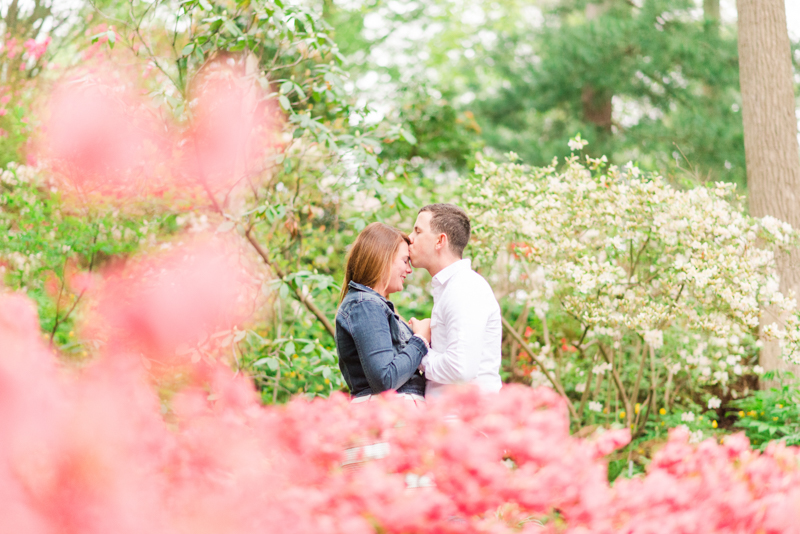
623	251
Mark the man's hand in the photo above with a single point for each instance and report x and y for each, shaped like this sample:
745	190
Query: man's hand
421	327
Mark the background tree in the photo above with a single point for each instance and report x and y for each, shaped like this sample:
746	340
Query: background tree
770	130
653	81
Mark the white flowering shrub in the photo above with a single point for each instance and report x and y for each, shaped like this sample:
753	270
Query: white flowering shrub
662	288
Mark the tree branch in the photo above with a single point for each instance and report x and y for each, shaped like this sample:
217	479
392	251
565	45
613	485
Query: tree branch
558	387
617	380
302	298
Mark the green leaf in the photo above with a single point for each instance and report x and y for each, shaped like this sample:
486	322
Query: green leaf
289	349
285	104
408	136
286	87
233	28
272	363
407	202
188	49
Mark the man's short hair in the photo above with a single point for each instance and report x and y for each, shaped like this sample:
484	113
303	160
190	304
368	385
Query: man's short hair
452	221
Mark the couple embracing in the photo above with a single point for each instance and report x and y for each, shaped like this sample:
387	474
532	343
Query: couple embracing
459	344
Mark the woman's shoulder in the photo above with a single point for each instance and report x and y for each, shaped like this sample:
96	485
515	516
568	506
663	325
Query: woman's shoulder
360	300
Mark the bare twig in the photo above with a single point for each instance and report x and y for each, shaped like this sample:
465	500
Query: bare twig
635	392
297	290
558	387
625	400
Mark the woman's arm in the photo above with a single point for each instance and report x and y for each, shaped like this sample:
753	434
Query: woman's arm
383	368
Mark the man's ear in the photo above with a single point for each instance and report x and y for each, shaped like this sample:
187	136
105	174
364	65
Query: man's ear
441	243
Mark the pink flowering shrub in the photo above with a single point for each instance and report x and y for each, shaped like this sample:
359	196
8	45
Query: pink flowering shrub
35	49
89	451
103	139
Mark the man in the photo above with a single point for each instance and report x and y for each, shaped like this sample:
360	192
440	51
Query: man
466	327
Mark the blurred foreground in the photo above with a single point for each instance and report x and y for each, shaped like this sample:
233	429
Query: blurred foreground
89	451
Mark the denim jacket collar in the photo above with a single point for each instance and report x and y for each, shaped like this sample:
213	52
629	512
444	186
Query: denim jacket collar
365	289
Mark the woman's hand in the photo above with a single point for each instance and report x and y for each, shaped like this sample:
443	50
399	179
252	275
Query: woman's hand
421	328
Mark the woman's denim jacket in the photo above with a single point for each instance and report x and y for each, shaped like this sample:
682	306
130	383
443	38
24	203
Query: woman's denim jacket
376	349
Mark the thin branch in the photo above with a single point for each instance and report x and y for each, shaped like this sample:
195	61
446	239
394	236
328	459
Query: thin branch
586	387
297	290
558	387
635	393
625	400
639	255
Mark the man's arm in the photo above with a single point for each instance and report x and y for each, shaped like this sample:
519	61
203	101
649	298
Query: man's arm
464	320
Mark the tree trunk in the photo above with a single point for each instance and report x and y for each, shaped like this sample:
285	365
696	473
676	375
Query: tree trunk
712	16
711	10
596	102
770	134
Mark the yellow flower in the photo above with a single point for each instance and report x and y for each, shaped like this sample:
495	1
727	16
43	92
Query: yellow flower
637	408
741	413
662	411
71	334
774	418
662	423
714	424
752	413
605	410
622	415
780	405
327	381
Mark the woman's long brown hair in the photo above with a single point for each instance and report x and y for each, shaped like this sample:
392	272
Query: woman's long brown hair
370	258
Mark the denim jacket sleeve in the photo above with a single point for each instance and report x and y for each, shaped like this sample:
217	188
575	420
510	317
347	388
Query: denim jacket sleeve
384	366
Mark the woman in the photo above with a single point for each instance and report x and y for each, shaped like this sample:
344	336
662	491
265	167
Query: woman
377	351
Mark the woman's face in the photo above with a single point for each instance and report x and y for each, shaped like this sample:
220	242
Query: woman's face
399	269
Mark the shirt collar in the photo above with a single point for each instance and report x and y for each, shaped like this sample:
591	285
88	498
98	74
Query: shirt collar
448	272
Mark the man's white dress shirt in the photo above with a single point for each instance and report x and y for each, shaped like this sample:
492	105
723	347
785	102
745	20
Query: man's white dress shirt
466	332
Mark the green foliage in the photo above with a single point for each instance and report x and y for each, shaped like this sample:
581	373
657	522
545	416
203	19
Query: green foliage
45	241
656	83
770	415
639	83
284	367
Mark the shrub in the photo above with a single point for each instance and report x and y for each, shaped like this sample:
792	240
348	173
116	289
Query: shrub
769	415
656	290
89	451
